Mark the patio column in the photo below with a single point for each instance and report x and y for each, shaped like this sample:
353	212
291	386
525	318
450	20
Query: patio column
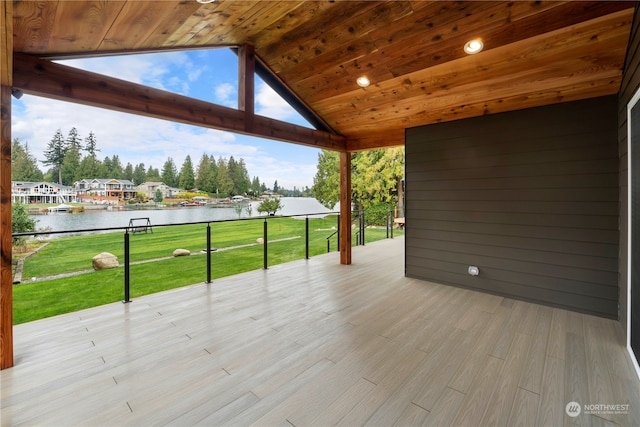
345	208
6	279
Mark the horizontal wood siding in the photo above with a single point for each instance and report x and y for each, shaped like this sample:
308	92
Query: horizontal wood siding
531	197
630	84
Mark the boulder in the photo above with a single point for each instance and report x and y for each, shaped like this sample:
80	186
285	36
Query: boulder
181	252
104	261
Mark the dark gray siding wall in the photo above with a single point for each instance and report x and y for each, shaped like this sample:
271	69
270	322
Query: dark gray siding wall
530	197
630	84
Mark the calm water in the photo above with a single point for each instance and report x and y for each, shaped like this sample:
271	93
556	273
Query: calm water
62	221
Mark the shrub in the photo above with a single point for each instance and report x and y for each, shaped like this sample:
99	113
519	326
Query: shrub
377	214
20	222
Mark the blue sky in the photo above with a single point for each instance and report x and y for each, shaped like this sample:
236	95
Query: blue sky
209	75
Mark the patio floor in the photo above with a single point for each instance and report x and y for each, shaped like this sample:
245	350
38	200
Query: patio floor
318	343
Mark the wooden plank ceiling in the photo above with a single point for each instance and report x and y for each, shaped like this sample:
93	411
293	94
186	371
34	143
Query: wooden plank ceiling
536	53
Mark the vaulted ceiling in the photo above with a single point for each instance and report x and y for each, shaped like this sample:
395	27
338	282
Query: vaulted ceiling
535	53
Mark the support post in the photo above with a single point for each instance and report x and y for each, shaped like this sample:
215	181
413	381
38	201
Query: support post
6	280
208	253
345	208
127	298
246	83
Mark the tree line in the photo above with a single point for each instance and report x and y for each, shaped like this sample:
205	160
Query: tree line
71	159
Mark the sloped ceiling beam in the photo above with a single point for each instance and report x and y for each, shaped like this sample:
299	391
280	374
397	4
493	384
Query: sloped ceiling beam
51	80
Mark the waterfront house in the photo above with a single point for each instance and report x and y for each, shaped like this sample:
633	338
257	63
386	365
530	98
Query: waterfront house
149	188
122	189
41	192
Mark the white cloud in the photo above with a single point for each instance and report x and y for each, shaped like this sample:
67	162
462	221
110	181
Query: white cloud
270	104
287	173
225	93
155	70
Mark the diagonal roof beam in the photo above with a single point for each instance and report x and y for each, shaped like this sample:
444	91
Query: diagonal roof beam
50	80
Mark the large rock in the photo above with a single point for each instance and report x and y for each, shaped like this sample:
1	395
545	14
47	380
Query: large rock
104	261
181	252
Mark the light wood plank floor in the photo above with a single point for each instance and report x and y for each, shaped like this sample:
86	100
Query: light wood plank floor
317	343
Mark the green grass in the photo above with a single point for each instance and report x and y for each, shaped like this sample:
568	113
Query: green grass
46	298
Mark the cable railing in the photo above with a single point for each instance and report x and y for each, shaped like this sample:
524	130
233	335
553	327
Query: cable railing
146	261
359	235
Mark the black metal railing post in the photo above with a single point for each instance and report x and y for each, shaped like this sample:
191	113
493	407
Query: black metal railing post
306	238
362	227
264	238
208	253
387	219
338	235
391	218
127	298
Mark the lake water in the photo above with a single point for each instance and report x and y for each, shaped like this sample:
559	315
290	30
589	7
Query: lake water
62	221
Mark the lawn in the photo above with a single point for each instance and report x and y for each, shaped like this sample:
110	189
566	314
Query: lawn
237	252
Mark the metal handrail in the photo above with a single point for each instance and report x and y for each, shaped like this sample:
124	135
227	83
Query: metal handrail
126	228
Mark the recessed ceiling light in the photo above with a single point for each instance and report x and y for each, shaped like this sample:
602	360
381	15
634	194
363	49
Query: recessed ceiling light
363	81
473	46
205	1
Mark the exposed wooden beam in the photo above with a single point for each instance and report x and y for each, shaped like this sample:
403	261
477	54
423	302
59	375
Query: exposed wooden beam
345	208
6	281
45	78
374	140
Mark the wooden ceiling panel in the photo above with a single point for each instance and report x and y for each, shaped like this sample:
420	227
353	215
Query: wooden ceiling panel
523	67
536	53
136	23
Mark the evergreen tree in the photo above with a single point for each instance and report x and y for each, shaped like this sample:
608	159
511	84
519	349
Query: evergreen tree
187	178
90	167
275	186
128	172
73	140
153	175
71	165
91	145
255	186
116	168
169	173
225	184
107	168
205	178
24	167
139	174
54	155
214	173
242	183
